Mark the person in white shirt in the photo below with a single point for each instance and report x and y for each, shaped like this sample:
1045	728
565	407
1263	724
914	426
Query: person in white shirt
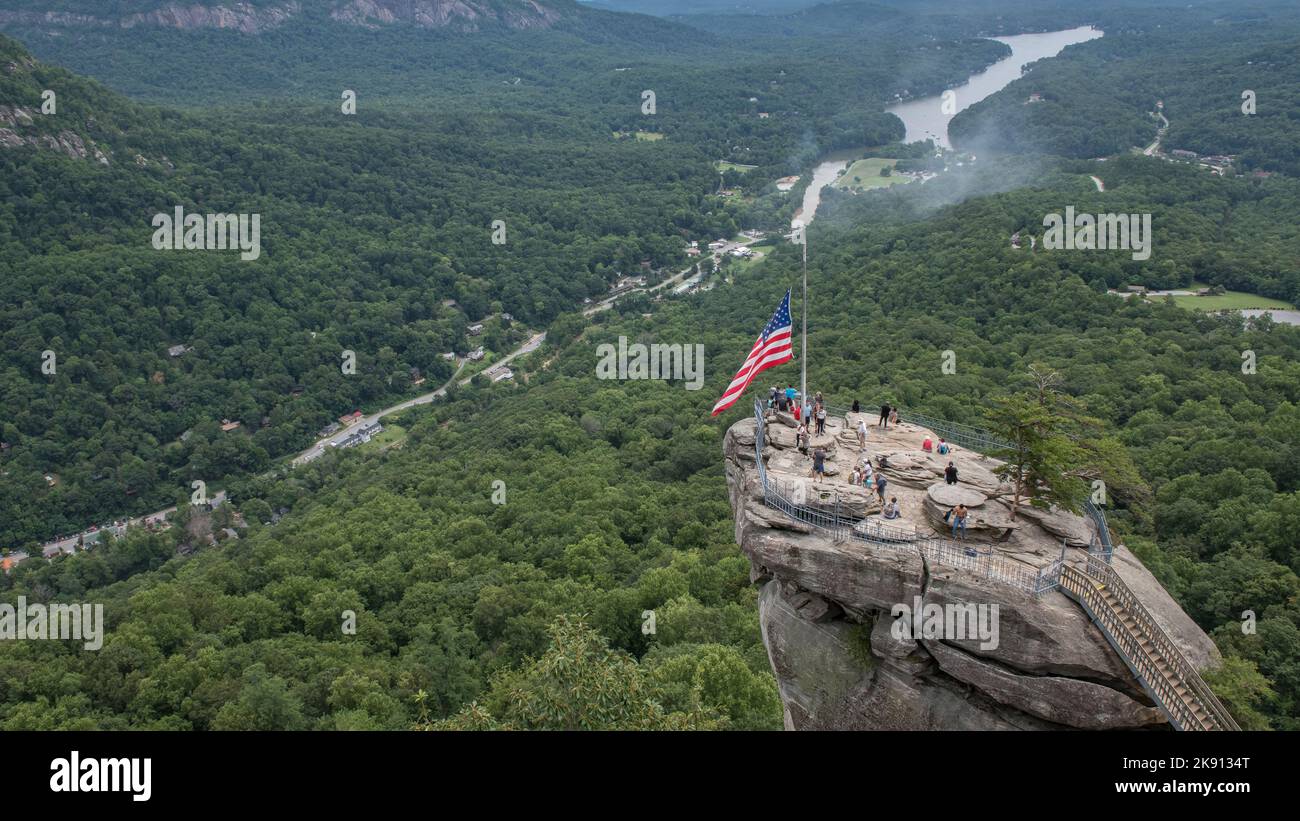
862	433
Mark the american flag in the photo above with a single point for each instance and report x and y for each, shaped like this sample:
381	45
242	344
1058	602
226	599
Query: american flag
771	348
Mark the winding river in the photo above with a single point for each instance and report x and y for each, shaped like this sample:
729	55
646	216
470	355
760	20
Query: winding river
927	117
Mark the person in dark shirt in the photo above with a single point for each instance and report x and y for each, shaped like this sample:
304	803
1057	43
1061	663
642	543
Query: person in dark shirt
950	474
884	415
856	407
819	464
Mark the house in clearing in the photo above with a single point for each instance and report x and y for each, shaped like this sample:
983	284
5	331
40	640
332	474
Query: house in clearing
228	426
475	329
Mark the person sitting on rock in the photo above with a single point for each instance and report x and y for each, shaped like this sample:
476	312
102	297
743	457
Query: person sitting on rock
801	437
893	416
856	408
855	477
927	445
819	464
950	474
943	447
891	509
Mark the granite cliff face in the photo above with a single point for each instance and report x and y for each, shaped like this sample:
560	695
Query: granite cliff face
255	18
825	606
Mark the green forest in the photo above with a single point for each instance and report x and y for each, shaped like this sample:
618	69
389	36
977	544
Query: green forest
558	551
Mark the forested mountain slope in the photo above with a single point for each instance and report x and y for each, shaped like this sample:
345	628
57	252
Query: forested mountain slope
1100	97
369	224
614	500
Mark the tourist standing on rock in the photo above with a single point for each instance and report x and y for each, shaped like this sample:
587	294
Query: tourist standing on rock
950	474
796	413
819	464
856	476
881	481
856	408
884	416
789	392
801	438
771	398
862	434
893	416
959	514
821	419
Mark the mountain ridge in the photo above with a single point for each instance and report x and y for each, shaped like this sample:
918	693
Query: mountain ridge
257	18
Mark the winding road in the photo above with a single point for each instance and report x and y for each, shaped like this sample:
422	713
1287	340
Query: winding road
69	544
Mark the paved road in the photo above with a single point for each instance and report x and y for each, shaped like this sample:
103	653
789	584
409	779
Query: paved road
317	450
69	545
607	303
1152	149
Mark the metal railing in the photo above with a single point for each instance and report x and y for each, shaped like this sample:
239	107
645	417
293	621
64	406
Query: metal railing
1177	688
983	441
830	517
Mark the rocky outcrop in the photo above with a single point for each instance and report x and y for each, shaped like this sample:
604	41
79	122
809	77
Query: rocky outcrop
463	14
251	18
847	656
243	17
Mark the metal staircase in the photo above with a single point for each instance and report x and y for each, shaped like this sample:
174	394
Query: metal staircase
1166	675
1159	666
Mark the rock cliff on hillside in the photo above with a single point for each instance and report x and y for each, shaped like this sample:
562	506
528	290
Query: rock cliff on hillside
825	606
254	18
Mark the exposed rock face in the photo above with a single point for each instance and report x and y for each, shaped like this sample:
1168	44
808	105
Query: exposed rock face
841	656
464	14
250	18
244	17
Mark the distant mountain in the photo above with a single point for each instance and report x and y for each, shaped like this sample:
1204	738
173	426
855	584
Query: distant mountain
258	17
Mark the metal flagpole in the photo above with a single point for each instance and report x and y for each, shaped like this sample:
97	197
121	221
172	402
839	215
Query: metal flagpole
803	347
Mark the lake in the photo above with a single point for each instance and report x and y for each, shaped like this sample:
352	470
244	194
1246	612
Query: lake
925	118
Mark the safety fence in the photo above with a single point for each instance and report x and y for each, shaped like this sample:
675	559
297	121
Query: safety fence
1162	670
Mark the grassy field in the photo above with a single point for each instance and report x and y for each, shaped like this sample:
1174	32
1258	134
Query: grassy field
865	175
723	165
1231	300
392	434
